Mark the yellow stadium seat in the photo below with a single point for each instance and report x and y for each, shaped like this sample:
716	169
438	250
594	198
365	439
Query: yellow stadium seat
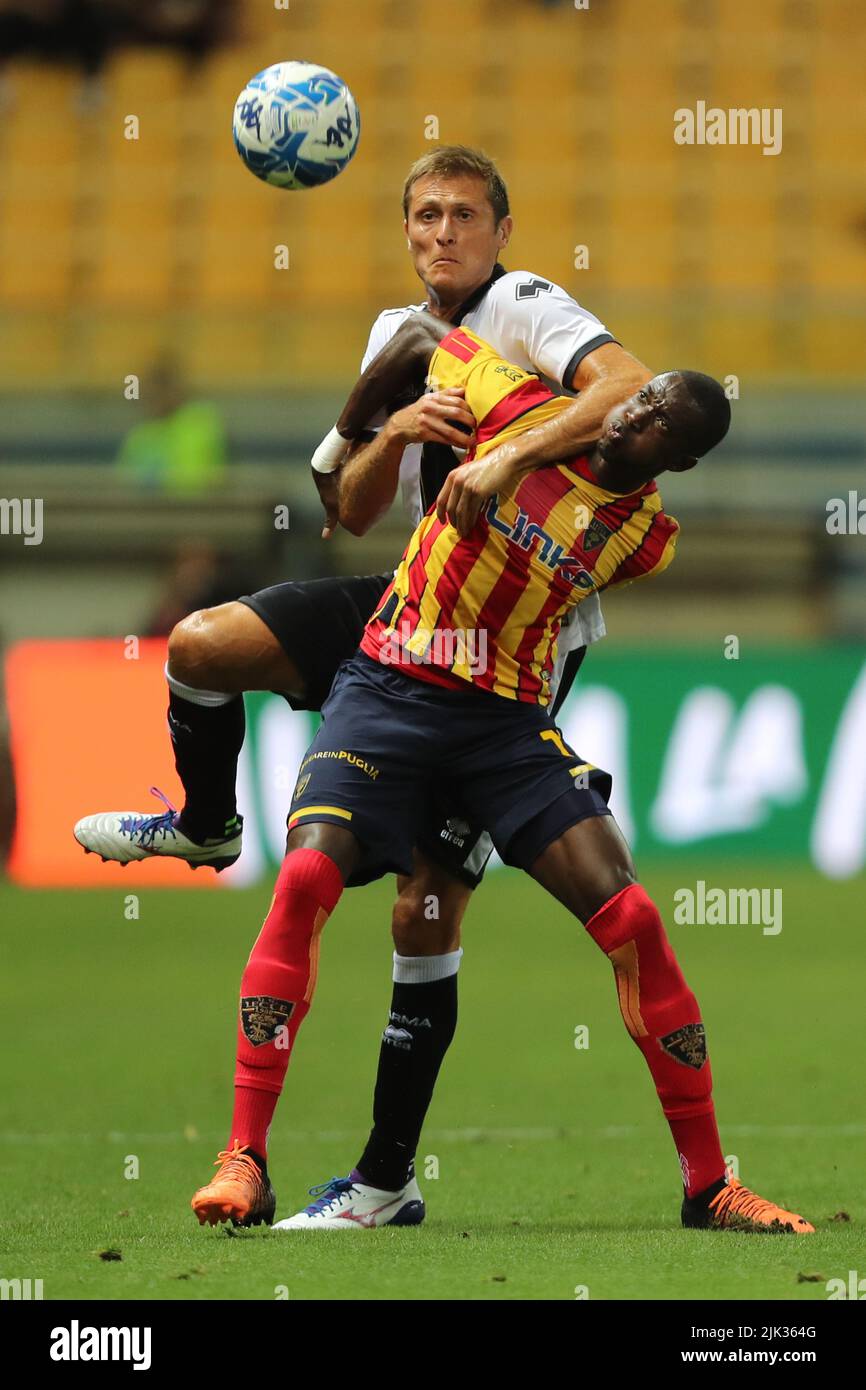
714	251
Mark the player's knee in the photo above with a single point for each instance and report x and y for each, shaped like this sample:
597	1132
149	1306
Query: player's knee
619	876
188	647
197	648
644	916
423	925
333	841
627	919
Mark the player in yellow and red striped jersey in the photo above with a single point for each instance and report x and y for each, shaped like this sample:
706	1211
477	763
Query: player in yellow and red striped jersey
538	550
432	713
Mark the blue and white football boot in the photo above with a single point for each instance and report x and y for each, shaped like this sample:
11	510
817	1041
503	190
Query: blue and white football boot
124	836
343	1204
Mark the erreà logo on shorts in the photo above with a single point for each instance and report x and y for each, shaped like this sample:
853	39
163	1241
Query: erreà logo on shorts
77	1343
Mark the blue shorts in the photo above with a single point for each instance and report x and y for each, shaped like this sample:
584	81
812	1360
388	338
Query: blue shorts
387	742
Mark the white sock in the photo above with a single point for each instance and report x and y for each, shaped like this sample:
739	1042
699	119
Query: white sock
423	970
211	699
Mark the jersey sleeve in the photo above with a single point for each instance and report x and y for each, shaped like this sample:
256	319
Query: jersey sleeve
376	341
536	318
496	391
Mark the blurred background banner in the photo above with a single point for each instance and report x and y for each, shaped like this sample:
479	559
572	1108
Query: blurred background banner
175	338
761	759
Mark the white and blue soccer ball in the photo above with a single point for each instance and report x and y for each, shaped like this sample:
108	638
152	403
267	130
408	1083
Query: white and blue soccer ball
296	125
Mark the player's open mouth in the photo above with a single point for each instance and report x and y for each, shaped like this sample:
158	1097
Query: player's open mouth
612	438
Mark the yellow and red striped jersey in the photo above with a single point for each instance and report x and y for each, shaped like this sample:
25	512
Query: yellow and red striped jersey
487	608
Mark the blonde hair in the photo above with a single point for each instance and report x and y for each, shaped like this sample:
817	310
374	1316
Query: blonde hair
449	160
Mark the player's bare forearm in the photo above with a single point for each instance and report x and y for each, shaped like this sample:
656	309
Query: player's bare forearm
577	428
369	477
368	481
400	364
604	378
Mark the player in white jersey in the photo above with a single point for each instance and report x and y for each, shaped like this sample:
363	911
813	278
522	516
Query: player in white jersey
292	637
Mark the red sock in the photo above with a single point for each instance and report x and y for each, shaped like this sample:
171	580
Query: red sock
277	987
662	1015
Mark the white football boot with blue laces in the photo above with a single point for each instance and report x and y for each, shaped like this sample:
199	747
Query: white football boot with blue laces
343	1204
124	836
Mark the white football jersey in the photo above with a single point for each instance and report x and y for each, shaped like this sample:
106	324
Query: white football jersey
538	326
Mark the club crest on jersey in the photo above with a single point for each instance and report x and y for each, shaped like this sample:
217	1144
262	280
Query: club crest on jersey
301	786
513	373
595	535
261	1016
687	1045
525	533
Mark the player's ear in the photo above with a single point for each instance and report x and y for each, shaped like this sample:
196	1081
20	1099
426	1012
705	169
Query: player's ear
683	466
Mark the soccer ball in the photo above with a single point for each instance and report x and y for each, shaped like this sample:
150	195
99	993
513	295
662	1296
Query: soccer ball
296	125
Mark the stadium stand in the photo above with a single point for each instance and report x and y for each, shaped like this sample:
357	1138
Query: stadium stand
115	250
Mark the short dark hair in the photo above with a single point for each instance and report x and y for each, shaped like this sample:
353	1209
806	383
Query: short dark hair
449	160
714	408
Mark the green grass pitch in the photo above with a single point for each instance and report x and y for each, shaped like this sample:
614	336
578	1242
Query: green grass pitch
556	1171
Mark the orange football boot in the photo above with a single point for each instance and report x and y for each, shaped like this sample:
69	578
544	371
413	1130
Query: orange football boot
737	1208
241	1192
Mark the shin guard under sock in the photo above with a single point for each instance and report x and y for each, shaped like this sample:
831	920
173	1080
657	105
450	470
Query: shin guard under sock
277	987
662	1015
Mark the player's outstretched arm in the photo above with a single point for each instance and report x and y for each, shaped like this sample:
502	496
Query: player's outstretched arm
604	377
368	479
